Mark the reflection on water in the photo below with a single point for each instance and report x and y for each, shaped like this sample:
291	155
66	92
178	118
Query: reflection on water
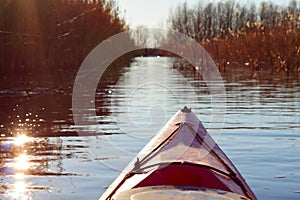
21	139
21	162
19	189
35	111
24	160
261	131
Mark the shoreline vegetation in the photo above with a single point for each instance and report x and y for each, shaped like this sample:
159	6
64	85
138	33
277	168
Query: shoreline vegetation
261	38
46	41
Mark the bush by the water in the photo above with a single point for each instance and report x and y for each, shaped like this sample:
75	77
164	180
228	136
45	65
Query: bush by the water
263	37
47	38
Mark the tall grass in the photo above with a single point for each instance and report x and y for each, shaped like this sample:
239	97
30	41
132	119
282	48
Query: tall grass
46	38
264	37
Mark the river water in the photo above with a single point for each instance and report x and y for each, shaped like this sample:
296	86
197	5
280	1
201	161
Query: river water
261	130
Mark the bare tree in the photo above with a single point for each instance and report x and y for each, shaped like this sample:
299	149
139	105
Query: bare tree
141	36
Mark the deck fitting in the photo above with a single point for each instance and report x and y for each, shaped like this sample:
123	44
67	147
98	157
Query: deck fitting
186	109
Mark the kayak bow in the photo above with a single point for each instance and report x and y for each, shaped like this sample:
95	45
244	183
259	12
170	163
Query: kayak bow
181	162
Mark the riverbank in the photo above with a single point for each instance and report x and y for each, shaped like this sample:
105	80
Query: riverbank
261	37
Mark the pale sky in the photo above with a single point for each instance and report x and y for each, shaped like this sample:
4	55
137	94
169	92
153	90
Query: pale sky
154	13
151	13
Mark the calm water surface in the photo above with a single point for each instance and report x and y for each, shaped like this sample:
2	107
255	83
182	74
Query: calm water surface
261	133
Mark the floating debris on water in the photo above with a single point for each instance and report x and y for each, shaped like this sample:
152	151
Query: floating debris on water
297	191
280	176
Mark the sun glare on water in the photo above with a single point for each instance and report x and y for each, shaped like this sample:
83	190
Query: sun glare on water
19	189
21	139
19	176
22	162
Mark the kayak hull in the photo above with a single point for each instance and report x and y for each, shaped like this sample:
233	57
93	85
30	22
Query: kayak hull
182	154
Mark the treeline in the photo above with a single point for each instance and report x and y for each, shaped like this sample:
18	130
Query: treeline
264	37
49	38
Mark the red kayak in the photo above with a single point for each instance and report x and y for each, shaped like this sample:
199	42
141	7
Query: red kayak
181	162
